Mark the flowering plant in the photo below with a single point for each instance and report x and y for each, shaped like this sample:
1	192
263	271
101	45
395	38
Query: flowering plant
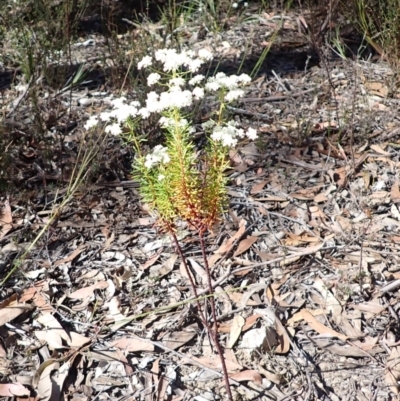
177	181
174	182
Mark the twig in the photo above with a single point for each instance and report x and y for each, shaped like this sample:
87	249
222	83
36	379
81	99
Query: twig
276	98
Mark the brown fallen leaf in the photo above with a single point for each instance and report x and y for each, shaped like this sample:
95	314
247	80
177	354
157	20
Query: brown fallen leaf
86	292
213	363
5	219
175	339
132	344
247	375
152	260
340	349
235	330
283	346
71	256
13	390
245	244
395	192
379	149
319	327
227	246
258	187
392	374
10	308
251	321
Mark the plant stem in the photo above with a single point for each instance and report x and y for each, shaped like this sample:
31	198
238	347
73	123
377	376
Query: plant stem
189	274
214	333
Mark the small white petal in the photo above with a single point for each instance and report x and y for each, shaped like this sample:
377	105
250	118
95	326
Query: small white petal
251	134
198	92
92	122
146	61
153	78
113	129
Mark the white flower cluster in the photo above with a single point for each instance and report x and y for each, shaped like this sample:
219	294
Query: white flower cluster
173	61
167	122
230	83
228	135
179	93
159	155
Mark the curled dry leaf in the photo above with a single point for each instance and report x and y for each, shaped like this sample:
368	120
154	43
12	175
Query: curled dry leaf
340	349
5	219
175	340
236	329
319	327
247	375
13	390
392	375
331	304
245	244
132	344
214	363
395	192
87	292
11	308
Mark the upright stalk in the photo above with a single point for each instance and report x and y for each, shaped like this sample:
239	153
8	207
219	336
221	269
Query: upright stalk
214	333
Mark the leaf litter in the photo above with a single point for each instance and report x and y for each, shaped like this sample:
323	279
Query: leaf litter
305	263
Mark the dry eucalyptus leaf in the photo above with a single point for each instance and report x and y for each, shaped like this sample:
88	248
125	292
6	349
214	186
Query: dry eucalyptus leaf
248	375
87	292
13	390
235	331
5	219
175	339
132	344
392	374
319	327
11	308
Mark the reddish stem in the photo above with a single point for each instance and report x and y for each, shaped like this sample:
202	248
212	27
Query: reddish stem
189	274
214	334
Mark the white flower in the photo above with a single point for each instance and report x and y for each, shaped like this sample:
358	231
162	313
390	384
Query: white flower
135	103
208	125
251	133
195	64
161	177
152	102
235	5
159	155
21	88
123	112
204	54
170	58
153	78
245	4
225	135
179	81
105	116
240	132
196	79
92	122
198	92
175	98
167	122
233	95
244	78
144	62
212	85
113	129
144	113
118	102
